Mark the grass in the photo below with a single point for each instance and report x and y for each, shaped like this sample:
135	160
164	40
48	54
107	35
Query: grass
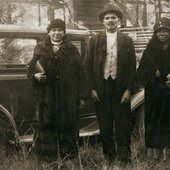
91	158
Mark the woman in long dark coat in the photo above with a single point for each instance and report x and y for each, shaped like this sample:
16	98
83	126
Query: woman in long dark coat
154	74
58	87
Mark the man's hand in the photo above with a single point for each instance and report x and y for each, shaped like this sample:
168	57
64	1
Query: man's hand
126	96
95	96
41	77
158	74
82	104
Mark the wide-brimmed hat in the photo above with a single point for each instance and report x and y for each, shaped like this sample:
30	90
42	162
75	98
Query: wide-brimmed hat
56	23
162	23
110	8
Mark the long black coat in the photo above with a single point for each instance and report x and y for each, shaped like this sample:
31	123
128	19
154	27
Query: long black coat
157	95
126	63
56	98
126	70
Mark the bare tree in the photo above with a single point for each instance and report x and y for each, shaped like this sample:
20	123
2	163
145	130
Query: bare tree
6	9
159	9
144	16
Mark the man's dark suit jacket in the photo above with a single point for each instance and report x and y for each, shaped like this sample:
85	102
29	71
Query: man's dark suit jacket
95	61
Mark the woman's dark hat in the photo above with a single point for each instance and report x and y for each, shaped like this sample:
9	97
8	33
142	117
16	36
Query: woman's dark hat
56	23
110	8
162	23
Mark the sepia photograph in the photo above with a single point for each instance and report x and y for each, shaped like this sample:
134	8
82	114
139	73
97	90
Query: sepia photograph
84	84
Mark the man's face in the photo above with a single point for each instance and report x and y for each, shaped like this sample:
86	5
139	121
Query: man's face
56	34
111	21
163	34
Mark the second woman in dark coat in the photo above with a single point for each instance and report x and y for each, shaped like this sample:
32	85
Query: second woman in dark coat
154	74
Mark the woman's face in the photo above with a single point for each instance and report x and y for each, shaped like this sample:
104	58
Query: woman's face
163	34
56	34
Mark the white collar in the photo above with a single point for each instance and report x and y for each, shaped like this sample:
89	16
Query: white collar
56	43
111	33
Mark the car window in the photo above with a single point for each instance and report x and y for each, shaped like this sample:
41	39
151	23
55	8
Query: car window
16	51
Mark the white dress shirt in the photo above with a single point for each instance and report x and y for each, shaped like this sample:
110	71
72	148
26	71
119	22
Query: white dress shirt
110	68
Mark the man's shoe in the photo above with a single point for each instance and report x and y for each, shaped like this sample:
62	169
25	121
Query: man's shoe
124	154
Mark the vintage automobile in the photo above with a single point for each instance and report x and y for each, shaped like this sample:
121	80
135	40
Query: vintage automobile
16	96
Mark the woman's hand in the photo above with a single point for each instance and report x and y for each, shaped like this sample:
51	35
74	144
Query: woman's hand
168	83
168	76
41	77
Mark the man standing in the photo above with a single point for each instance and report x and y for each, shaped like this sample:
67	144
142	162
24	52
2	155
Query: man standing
110	67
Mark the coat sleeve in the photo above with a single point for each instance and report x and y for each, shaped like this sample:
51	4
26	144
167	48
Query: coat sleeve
88	63
146	70
132	65
80	73
31	65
